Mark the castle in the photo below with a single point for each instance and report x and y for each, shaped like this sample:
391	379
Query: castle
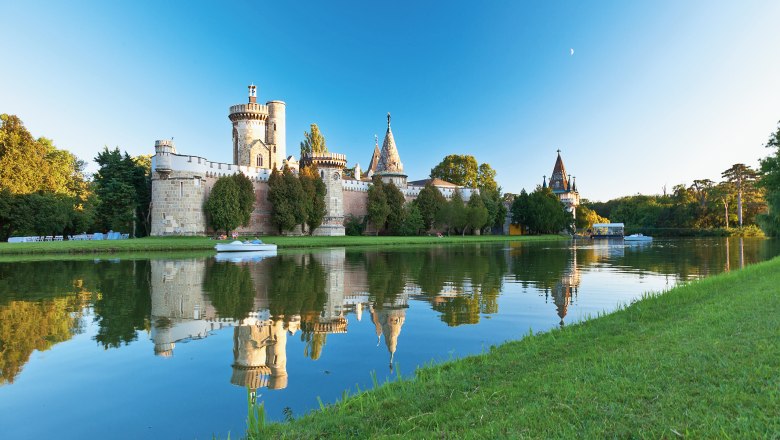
181	183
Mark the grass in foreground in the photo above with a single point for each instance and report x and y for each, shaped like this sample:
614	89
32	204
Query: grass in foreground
701	361
156	244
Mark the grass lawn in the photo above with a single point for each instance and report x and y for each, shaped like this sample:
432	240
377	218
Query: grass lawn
700	361
155	244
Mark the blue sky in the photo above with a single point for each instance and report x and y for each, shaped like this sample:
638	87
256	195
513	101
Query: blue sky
656	93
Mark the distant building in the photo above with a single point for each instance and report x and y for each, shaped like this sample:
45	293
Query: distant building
564	186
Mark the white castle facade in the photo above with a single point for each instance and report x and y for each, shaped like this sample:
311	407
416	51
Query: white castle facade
181	183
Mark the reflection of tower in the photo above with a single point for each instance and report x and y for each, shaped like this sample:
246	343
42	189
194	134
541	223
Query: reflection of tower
260	355
566	286
388	322
179	309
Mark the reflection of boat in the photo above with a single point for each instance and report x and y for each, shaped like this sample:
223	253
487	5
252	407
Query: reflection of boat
245	257
638	238
245	246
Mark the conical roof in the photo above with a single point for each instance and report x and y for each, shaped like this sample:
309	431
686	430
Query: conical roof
389	160
559	181
374	157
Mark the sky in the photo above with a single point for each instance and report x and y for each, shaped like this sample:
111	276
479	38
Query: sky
656	93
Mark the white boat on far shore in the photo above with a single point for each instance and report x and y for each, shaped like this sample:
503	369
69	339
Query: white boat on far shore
245	246
638	237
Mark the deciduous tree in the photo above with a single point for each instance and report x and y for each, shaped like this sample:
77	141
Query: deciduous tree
378	209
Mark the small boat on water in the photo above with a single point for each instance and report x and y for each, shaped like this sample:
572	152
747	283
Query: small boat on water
244	257
245	246
638	237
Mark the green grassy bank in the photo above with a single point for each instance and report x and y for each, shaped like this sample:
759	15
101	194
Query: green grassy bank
167	244
700	361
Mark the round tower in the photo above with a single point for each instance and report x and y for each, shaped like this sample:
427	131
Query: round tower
163	150
331	167
249	131
275	136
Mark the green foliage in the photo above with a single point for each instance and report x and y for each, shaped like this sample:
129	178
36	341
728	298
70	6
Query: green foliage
354	226
430	201
476	213
287	210
457	215
230	289
230	203
460	169
586	217
494	204
246	197
770	182
378	210
223	206
541	212
314	200
412	220
395	206
313	142
486	178
123	185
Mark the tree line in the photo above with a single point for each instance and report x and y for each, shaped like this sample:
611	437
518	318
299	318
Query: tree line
45	191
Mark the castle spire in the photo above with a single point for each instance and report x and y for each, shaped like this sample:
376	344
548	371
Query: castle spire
389	160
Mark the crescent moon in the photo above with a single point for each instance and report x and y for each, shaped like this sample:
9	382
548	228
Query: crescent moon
571	51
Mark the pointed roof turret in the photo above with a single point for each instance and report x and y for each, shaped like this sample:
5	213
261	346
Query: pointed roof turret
374	157
559	182
389	160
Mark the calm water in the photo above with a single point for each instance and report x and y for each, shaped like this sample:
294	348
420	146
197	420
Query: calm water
167	348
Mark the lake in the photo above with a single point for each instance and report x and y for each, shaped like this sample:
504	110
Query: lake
172	347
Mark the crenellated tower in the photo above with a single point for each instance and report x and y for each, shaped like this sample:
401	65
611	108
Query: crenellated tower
259	132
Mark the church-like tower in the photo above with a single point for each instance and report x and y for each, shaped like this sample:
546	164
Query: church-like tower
259	133
564	186
389	167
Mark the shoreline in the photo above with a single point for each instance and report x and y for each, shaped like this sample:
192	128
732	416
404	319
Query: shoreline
169	244
699	360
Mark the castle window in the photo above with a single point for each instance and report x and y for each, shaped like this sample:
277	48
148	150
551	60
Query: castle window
259	160
274	126
274	148
181	189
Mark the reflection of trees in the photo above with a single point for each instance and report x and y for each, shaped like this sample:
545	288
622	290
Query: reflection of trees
124	304
386	273
36	325
296	287
230	289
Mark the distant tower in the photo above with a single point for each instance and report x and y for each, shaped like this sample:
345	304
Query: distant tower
563	187
259	138
389	166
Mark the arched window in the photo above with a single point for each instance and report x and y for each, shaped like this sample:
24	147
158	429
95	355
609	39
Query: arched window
259	160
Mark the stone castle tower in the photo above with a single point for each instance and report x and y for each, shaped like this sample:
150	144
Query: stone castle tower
259	138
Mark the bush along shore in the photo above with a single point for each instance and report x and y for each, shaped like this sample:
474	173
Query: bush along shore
154	244
701	360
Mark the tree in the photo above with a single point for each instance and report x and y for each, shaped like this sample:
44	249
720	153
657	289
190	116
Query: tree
223	208
22	158
494	203
412	222
486	178
286	195
430	201
586	217
460	169
476	213
740	175
314	200
770	182
520	209
395	205
457	214
313	142
246	197
378	209
123	185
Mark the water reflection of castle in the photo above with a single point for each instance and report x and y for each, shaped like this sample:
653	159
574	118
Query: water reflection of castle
183	310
